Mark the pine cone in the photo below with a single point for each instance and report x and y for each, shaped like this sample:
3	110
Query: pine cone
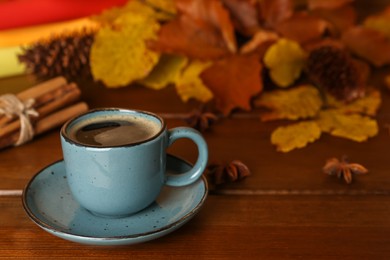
63	55
332	69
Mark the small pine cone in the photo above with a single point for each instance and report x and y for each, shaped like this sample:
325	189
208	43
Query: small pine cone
332	69
63	55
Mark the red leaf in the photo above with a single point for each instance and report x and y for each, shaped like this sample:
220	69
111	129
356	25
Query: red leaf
368	44
340	19
260	43
211	12
191	38
302	27
273	12
234	81
245	15
327	4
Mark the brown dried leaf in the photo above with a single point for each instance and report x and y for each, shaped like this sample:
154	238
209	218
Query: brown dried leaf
234	81
302	27
245	15
273	12
260	42
327	4
213	13
339	19
190	38
361	40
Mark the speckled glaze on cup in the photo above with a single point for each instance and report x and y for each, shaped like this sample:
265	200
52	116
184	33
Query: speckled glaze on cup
116	181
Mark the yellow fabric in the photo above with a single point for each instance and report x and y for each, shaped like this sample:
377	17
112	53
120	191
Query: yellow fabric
9	64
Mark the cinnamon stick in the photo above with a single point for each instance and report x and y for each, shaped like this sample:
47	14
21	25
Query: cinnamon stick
49	122
40	93
42	88
72	95
60	117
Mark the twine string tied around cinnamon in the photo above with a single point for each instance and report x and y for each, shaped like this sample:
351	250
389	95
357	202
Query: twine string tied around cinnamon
13	106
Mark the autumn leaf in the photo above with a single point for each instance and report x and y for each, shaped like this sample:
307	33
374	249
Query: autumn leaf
367	105
298	135
201	30
379	22
190	85
165	72
260	42
213	13
234	81
119	54
139	8
302	27
273	12
354	127
296	103
339	19
361	40
327	4
244	15
285	59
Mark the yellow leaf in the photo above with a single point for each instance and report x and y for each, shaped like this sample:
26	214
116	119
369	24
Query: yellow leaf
189	84
387	81
379	23
367	105
295	103
165	72
119	55
145	9
298	135
285	59
165	9
354	127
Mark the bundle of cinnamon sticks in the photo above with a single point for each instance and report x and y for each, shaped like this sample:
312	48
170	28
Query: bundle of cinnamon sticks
54	101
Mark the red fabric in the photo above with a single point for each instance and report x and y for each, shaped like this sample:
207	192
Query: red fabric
22	13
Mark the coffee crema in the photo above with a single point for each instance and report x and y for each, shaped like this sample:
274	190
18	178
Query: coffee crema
112	131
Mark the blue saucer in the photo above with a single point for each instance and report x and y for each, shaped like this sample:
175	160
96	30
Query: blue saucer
49	203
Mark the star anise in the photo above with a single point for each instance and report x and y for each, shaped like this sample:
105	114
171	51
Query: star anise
218	174
201	120
343	169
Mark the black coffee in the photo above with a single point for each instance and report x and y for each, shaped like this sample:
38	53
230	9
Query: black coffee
113	132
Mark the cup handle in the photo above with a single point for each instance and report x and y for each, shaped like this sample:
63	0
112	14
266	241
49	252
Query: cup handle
196	172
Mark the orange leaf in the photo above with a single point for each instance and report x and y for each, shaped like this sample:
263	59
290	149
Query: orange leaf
211	12
190	38
234	81
369	44
340	19
302	27
273	12
327	4
260	42
244	14
380	22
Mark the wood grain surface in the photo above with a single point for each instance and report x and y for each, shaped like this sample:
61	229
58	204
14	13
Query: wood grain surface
287	208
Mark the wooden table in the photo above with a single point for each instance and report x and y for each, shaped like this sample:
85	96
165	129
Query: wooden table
287	208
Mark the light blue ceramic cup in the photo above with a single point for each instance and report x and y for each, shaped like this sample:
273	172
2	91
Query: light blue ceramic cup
116	181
